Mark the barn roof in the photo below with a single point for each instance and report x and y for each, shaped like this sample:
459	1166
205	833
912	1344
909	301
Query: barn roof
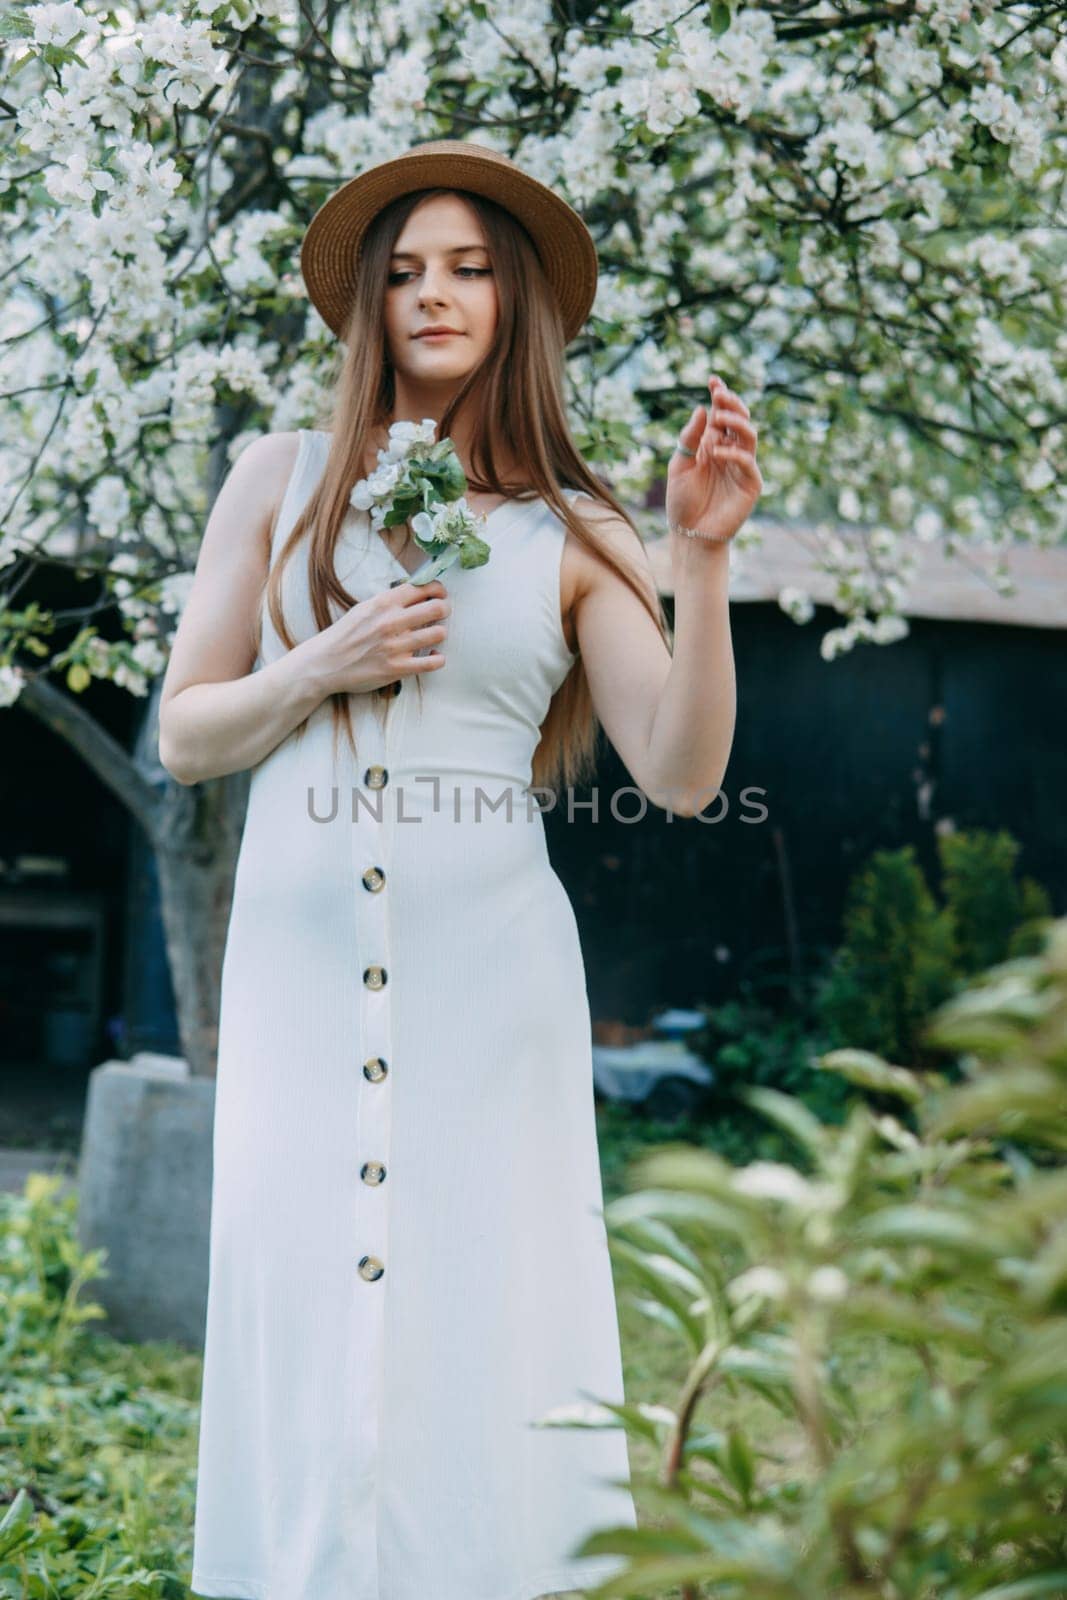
959	587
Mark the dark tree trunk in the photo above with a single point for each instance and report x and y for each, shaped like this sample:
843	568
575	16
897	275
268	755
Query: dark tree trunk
196	854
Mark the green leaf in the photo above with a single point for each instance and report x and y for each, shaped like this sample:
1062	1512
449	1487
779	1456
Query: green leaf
652	1232
59	56
789	1113
1044	1583
662	1314
709	1445
711	1218
10	69
15	25
937	1228
473	552
740	1464
17	1521
876	1310
869	1071
757	1366
658	1275
627	1412
1007	1100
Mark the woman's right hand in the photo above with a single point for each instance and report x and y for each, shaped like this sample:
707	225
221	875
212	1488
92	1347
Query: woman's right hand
374	642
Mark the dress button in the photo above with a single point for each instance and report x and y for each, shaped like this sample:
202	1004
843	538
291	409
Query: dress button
375	977
376	777
374	1069
370	1268
372	1172
374	879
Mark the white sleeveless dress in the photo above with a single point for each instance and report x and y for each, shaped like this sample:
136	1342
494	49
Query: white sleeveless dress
408	1261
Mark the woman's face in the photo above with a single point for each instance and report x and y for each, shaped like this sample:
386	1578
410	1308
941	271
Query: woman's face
440	273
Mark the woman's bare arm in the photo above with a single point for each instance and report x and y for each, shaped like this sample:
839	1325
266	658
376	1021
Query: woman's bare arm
669	715
216	714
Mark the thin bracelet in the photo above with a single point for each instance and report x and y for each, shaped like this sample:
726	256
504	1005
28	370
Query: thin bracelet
696	533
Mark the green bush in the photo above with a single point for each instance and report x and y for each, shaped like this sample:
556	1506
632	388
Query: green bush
903	953
944	1479
747	1043
897	960
994	916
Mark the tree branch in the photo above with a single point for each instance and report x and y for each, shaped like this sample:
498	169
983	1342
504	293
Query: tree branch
100	751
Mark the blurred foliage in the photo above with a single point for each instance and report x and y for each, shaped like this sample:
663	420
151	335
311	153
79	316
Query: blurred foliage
947	1243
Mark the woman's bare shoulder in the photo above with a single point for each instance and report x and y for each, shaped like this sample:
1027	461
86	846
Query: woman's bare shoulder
270	455
600	513
265	466
609	529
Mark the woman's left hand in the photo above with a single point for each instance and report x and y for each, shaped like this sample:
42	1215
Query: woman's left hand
715	489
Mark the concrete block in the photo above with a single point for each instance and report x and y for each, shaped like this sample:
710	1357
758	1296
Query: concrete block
144	1182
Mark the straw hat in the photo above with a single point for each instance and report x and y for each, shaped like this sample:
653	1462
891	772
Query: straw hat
329	254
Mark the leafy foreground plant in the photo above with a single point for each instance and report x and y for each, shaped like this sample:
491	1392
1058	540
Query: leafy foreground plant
944	1249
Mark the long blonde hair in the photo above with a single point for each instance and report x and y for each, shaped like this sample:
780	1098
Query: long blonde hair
516	394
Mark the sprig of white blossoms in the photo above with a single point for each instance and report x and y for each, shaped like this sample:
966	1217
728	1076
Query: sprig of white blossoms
420	480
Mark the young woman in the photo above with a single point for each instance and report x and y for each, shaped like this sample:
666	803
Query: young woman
409	1265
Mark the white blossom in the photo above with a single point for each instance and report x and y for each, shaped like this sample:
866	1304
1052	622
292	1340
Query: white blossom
188	62
828	1283
772	1180
11	685
768	1283
796	603
1038	475
76	179
149	657
368	490
59	24
399	89
108	505
175	591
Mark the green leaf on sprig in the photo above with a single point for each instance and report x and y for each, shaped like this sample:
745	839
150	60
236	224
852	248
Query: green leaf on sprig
473	552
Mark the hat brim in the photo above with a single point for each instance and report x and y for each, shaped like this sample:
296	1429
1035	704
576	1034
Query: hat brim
329	252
